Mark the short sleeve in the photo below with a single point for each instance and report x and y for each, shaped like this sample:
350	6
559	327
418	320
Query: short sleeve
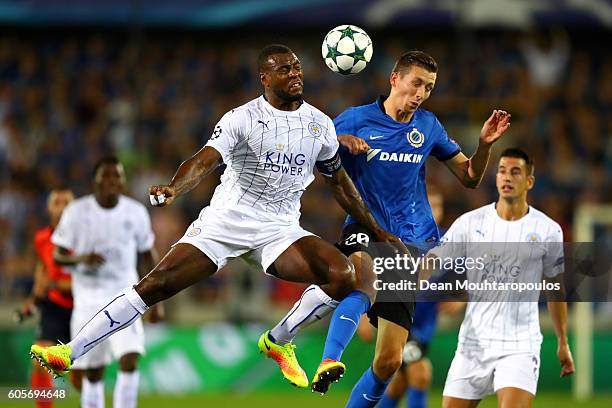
144	234
345	123
330	143
553	263
444	148
65	234
227	133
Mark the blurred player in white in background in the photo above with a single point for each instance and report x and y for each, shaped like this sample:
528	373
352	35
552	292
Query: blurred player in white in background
106	241
499	342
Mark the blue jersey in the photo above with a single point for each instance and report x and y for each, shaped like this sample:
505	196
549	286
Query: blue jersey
424	321
391	176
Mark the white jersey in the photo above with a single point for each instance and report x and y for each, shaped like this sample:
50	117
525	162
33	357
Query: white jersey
505	326
270	156
118	234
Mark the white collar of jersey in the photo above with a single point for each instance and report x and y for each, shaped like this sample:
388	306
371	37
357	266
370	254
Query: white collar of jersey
282	112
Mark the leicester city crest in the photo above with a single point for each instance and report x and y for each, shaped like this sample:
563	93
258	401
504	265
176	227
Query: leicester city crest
193	232
415	138
533	237
315	129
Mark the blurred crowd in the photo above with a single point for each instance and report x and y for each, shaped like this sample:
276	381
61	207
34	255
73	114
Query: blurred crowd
68	98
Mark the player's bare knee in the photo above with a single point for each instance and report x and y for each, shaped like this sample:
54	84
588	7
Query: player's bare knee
128	362
386	364
94	374
342	274
364	273
420	374
422	381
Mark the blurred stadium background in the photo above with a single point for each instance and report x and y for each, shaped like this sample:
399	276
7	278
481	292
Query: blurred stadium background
149	79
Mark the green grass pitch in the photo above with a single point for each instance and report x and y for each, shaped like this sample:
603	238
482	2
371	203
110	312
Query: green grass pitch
304	399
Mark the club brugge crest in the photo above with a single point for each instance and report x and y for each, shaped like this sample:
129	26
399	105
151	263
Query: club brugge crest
415	138
315	129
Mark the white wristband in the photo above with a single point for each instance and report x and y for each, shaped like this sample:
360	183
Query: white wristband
157	199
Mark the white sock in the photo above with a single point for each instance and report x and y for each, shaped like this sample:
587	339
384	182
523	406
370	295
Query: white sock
126	389
118	314
92	394
313	305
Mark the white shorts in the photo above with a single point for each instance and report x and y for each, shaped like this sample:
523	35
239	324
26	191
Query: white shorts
128	340
259	238
475	374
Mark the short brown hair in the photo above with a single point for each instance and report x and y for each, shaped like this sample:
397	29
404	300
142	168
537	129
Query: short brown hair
519	153
416	57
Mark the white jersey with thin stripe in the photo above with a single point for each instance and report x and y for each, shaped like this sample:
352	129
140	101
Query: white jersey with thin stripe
505	326
119	234
270	156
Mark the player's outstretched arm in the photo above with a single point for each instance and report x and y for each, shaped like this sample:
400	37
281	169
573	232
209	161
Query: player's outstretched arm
470	171
189	174
558	313
350	200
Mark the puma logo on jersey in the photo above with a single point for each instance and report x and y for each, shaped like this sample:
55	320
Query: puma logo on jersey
264	123
394	157
112	322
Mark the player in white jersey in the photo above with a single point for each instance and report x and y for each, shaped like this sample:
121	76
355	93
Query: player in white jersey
270	146
499	342
104	240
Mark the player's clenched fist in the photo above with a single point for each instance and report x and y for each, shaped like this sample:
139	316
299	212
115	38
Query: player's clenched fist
161	196
354	144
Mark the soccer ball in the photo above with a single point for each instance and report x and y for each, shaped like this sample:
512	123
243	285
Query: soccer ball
347	49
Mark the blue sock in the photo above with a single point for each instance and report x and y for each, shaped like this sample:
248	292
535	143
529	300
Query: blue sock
368	391
344	323
416	398
387	402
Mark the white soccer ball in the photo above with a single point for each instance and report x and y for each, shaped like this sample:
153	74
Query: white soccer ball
347	49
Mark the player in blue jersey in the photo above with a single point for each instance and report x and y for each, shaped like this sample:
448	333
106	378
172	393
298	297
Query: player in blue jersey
415	375
386	145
